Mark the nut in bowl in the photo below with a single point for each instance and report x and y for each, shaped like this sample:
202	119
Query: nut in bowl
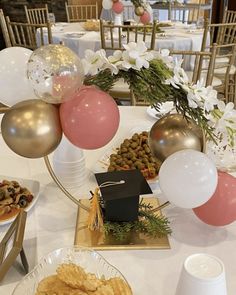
134	153
73	271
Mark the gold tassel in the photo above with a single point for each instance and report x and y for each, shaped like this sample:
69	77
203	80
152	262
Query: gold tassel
95	218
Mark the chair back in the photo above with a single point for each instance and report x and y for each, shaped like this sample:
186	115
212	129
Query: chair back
202	61
226	70
77	13
36	15
114	36
188	12
208	69
5	32
222	34
229	16
29	36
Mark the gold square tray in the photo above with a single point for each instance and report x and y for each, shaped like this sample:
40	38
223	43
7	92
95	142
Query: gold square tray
96	240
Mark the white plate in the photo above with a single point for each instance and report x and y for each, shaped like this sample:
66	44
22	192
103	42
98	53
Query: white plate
166	107
75	34
32	185
195	31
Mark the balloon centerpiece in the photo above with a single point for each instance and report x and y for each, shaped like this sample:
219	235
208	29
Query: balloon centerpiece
142	9
89	117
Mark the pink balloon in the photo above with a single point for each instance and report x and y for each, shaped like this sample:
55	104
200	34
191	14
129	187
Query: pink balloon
90	119
145	18
221	208
118	7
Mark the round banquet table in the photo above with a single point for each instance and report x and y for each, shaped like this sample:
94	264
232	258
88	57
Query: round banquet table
178	37
51	224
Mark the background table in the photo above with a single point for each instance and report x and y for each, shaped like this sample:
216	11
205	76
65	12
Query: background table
51	224
178	37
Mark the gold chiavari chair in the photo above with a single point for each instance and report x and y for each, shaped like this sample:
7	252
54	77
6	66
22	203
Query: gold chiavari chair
29	36
36	15
202	61
222	34
187	12
206	67
5	32
229	16
76	13
113	37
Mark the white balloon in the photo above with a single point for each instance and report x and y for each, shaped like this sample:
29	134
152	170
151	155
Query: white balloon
14	83
150	11
188	178
107	4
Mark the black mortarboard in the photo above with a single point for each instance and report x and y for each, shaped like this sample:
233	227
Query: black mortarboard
121	201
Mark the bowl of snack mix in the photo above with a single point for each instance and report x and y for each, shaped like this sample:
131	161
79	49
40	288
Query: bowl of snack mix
92	25
73	271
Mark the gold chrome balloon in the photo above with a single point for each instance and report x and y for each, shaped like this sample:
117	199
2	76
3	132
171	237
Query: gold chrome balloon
32	128
173	133
139	11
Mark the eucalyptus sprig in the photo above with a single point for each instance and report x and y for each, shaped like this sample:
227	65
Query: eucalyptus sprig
156	77
149	84
148	223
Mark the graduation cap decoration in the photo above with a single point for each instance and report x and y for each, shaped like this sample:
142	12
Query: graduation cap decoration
121	197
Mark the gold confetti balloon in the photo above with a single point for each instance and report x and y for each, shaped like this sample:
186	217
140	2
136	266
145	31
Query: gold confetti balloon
32	128
173	133
55	72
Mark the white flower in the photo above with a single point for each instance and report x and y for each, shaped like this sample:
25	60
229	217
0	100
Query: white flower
94	61
192	100
166	107
210	98
223	120
136	56
115	62
164	55
179	79
116	57
228	118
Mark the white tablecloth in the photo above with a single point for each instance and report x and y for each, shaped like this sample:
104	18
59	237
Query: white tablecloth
51	225
178	37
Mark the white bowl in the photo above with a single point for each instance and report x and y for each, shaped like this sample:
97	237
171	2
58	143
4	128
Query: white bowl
90	260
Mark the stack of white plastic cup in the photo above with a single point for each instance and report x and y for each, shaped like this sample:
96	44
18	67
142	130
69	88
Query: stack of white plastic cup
69	164
202	274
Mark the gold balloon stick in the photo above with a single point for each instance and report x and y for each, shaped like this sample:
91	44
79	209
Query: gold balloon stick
4	109
60	185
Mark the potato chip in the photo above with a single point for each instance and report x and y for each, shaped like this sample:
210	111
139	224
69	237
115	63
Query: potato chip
71	279
91	283
103	290
52	285
119	286
71	274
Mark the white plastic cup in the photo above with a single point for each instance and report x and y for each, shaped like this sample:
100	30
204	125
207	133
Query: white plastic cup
69	167
67	152
202	274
